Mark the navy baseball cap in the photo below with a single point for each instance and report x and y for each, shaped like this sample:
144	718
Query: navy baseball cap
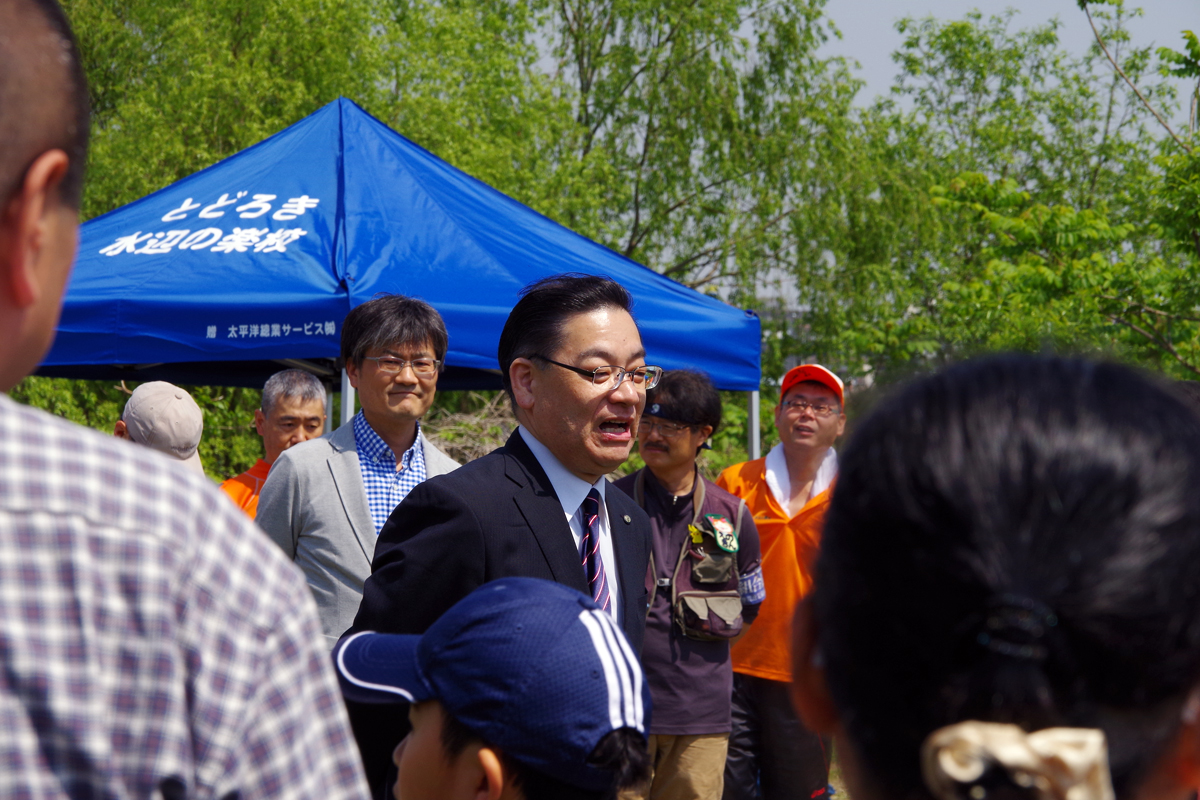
532	667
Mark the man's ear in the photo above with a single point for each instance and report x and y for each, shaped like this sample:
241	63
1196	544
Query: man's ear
260	419
809	690
520	374
120	430
25	227
494	778
352	373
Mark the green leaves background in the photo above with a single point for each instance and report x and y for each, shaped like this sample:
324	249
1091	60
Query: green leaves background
1007	194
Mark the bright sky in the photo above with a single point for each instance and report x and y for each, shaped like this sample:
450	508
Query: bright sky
869	35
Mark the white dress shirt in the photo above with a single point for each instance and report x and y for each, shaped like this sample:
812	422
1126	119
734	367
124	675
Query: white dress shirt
571	492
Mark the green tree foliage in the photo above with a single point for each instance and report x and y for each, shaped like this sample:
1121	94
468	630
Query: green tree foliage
706	118
178	86
1063	140
1007	194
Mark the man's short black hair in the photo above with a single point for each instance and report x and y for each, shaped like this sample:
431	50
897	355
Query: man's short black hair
690	395
535	324
388	320
623	751
43	95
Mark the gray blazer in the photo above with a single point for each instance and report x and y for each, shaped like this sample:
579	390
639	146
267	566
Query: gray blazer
313	505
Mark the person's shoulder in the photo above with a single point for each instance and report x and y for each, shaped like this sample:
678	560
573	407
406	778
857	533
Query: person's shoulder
718	492
313	450
161	516
437	462
485	467
303	461
248	479
627	483
240	487
622	500
742	473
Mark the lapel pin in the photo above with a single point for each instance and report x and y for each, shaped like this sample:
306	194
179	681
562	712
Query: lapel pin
628	519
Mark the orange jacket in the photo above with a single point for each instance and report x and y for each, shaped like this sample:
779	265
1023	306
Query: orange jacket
789	552
244	489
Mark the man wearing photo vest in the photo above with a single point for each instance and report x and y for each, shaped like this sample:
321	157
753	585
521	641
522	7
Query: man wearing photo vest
708	587
788	491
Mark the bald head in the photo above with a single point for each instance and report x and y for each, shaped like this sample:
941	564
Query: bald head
43	95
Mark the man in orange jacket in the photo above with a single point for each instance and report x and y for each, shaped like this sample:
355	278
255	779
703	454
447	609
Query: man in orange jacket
293	411
788	492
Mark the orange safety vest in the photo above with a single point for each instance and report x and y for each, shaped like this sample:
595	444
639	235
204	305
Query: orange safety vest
789	553
244	489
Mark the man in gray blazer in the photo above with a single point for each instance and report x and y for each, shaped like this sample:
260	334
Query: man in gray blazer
325	500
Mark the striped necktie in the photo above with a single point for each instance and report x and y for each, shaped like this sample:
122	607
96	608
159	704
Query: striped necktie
593	565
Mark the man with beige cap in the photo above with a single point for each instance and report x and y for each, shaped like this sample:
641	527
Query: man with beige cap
163	417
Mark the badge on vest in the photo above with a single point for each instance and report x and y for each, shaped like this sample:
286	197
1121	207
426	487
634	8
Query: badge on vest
723	532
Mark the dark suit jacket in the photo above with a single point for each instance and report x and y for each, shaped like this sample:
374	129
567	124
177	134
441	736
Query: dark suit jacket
495	517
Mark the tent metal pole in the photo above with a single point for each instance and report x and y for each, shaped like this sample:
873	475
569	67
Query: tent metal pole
755	433
328	406
347	399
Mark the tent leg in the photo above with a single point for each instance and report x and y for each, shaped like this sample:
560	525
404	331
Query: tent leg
328	407
347	399
755	444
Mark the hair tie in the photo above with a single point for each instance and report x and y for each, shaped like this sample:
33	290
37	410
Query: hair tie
1014	626
1054	763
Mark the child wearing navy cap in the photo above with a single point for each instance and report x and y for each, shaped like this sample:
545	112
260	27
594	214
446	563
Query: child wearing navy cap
524	689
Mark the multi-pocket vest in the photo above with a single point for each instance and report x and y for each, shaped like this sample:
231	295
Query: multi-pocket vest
705	602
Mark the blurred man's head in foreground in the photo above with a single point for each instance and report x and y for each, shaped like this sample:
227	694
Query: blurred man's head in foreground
1006	602
44	130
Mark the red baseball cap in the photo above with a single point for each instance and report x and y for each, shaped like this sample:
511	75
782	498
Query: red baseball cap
812	372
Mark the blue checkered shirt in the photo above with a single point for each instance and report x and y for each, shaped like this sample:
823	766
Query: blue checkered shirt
386	486
150	634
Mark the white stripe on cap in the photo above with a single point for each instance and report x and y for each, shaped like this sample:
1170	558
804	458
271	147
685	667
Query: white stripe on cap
635	670
622	675
378	687
624	671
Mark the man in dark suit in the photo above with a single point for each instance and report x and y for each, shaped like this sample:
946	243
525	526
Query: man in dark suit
573	364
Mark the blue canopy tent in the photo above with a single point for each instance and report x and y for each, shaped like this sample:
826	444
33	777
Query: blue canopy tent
253	262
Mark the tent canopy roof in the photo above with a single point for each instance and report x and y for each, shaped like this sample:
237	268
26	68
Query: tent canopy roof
258	258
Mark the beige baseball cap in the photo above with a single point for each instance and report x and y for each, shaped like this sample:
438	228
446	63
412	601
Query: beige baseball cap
163	417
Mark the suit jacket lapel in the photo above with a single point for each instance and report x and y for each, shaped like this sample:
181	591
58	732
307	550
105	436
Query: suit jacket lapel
631	569
347	477
543	513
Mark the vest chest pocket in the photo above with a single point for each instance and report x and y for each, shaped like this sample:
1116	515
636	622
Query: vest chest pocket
711	564
709	616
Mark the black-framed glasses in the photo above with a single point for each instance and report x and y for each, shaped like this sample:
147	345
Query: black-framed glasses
799	404
667	430
645	377
421	367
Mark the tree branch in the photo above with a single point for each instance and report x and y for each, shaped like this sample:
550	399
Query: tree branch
1136	91
1149	309
1165	345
